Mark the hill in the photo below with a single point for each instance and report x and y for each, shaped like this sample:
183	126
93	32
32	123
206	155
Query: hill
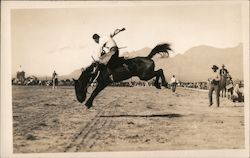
195	64
75	74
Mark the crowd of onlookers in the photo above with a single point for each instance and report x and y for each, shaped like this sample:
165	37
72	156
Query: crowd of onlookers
32	80
67	82
199	85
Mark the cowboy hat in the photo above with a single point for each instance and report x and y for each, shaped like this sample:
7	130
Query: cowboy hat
95	36
222	65
215	67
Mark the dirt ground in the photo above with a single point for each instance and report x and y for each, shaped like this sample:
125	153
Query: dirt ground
123	119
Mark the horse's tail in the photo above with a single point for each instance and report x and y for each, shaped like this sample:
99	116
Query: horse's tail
164	48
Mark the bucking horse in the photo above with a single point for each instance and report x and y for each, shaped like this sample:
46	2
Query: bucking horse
142	67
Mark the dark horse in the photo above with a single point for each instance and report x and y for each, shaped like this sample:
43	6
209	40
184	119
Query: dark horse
143	67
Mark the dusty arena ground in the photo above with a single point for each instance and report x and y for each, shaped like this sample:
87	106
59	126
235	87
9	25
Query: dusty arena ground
123	119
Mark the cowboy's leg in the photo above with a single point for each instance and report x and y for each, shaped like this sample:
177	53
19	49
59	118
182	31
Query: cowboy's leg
217	93
115	52
210	94
105	60
114	59
53	83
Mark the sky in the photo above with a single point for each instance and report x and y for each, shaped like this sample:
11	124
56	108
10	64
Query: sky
48	39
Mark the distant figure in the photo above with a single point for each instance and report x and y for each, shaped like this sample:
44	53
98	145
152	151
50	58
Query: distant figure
237	93
214	81
54	80
173	83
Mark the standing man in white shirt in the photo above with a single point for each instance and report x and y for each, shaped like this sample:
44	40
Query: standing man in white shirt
214	81
173	83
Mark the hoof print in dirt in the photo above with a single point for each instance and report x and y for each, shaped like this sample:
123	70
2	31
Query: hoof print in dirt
55	120
218	121
118	105
133	136
147	140
149	107
131	123
42	124
47	104
30	136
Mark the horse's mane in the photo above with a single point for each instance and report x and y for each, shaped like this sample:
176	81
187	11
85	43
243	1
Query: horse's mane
87	71
164	47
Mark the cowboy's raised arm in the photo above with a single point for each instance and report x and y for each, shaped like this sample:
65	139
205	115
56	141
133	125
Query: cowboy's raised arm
117	31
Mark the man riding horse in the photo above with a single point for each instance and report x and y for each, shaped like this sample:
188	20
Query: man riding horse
122	69
109	52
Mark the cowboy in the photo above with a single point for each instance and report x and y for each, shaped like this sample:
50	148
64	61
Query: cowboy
173	83
223	71
238	94
214	86
54	79
108	50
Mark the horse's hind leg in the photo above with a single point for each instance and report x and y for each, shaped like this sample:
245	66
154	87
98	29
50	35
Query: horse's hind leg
149	75
156	83
163	80
158	74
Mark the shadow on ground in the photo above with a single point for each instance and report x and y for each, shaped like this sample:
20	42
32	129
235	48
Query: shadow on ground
152	115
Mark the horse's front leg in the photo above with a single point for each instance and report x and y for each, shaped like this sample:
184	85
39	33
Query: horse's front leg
96	91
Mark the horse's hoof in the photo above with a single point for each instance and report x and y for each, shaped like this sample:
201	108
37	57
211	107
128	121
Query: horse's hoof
166	86
88	105
158	87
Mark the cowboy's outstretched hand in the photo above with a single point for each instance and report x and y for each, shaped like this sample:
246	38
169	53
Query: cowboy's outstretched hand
123	29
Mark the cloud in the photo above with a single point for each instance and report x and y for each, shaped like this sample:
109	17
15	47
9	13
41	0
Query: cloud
68	48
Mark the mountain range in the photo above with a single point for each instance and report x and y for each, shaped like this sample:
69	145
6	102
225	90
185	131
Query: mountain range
193	65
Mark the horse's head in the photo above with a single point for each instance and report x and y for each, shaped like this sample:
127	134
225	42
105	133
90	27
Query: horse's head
82	84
